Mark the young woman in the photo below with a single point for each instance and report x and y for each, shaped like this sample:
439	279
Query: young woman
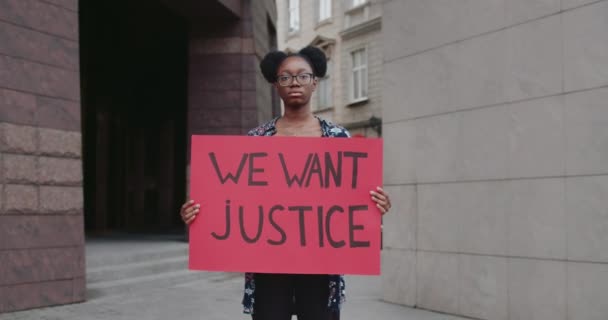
278	296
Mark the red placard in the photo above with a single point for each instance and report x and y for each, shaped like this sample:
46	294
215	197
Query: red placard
285	205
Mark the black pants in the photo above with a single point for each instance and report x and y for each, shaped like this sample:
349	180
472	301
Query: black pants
278	296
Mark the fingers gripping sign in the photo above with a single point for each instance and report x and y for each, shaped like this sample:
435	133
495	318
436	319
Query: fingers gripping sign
189	211
382	199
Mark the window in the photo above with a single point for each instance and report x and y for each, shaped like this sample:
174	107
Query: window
324	96
294	15
324	8
358	82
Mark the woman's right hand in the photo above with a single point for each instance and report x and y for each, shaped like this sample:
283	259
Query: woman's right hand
189	211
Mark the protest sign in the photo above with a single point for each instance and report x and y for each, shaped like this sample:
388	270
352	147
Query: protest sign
285	204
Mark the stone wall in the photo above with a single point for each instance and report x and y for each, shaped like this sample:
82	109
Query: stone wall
223	78
263	19
496	157
41	202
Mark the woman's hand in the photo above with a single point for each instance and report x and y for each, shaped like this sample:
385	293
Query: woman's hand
382	200
189	211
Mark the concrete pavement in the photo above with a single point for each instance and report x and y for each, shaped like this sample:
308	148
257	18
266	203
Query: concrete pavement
204	295
215	298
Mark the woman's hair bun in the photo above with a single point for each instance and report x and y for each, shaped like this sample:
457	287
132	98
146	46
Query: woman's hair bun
270	63
314	56
317	59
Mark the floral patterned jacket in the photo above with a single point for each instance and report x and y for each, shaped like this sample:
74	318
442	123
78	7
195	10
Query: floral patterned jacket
337	291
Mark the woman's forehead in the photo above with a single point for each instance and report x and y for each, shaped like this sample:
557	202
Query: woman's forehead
294	64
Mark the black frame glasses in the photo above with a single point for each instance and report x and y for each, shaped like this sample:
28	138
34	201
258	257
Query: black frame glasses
302	79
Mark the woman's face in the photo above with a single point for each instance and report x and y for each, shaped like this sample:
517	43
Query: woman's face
295	94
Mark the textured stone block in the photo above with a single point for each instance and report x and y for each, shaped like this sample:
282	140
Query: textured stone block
537	289
33	295
477	72
485	143
250	63
437	281
439	217
41	16
399	276
537	150
214	118
587	291
228	45
586	121
400	157
223	82
412	26
38	265
484	208
249	100
439	148
483	287
68	4
20	198
399	227
1	190
249	118
55	199
25	232
248	81
536	218
212	64
17	139
216	99
587	218
60	143
412	86
17	107
79	289
39	79
512	64
35	46
586	47
20	169
60	171
535	59
58	114
569	4
519	11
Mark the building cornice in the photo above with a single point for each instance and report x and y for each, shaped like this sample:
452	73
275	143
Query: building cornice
362	28
373	122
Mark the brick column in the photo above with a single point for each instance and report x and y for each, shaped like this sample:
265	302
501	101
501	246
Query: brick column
41	218
221	78
220	84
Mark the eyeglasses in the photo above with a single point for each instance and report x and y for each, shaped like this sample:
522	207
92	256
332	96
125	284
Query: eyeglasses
303	79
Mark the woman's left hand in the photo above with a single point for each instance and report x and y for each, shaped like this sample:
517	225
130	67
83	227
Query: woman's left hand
382	200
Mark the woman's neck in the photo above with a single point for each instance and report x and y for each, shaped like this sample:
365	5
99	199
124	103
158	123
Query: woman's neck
297	115
299	122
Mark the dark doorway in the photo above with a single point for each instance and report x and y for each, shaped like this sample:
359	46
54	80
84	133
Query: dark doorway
134	101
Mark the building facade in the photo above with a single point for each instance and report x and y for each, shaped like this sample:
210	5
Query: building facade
97	103
348	31
496	135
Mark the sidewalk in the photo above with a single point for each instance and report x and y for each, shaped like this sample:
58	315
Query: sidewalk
214	296
216	299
